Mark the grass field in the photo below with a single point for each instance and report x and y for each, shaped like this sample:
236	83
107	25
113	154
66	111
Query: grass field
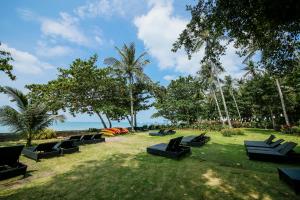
121	169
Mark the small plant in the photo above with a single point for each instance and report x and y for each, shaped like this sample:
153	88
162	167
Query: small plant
47	133
291	130
228	132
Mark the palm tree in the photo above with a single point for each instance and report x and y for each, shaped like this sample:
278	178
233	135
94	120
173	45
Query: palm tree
29	118
208	80
254	71
251	70
131	68
229	85
216	70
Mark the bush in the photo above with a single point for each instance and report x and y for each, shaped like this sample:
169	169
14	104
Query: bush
291	130
228	132
47	133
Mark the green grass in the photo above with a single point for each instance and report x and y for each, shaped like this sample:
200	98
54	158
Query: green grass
121	169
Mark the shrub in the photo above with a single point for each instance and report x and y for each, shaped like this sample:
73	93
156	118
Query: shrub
296	130
228	132
47	133
291	130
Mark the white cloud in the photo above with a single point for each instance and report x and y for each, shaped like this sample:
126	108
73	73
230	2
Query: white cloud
159	29
65	27
52	51
169	77
25	62
109	8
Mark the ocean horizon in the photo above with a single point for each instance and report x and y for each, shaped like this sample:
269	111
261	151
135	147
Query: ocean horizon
69	125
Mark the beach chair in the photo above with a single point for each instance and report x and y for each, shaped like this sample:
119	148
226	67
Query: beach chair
44	150
66	147
171	150
291	176
283	154
76	139
98	138
159	133
195	141
268	143
9	162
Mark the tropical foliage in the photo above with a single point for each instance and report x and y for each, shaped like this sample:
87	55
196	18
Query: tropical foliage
30	118
5	66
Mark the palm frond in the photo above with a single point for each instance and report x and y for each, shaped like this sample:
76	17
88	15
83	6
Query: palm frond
11	118
16	96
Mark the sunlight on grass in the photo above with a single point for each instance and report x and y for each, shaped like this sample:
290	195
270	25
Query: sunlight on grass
121	169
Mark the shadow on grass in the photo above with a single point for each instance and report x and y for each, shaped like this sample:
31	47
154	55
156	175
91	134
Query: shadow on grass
214	171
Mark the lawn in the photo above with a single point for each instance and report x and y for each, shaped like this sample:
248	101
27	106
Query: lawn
121	169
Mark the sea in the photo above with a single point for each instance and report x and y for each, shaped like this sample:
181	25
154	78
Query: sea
66	126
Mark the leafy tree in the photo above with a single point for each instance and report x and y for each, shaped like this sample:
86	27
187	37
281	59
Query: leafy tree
82	88
5	58
132	68
181	101
30	118
269	27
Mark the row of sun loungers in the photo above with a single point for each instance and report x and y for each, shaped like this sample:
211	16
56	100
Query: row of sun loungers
9	162
178	147
52	149
163	132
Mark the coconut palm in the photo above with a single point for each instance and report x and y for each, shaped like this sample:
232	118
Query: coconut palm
29	118
251	70
132	68
209	79
229	85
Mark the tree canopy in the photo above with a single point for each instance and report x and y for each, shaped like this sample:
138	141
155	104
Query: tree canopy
266	26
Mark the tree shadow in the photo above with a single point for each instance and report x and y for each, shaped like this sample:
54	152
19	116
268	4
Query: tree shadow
214	171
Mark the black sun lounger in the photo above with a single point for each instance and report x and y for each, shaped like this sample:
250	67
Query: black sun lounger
159	133
195	141
76	139
44	150
276	148
170	132
291	176
283	154
9	162
66	147
172	150
98	138
267	143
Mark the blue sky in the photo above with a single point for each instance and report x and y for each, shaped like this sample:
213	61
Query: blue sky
44	35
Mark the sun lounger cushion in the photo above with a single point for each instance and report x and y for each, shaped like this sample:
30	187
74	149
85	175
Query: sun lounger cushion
9	162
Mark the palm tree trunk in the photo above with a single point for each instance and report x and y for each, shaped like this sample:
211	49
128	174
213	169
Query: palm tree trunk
218	107
109	121
128	119
236	105
224	102
131	102
282	103
273	121
29	138
135	119
102	120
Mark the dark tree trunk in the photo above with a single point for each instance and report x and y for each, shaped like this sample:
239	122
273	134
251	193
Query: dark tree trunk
109	121
101	119
135	119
